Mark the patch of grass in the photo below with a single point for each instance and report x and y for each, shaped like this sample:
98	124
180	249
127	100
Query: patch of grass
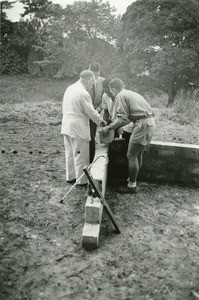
32	113
156	100
187	105
185	109
29	101
20	89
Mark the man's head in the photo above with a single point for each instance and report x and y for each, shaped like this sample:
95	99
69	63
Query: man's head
116	85
106	88
87	79
95	68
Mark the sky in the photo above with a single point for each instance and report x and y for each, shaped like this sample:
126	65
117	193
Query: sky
120	5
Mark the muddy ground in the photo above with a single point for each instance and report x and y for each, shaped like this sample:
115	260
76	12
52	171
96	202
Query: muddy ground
154	257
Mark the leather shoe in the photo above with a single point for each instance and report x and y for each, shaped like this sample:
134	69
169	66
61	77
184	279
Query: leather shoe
127	190
71	181
82	185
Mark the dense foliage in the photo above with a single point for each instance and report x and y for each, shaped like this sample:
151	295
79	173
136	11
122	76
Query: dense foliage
154	47
160	39
60	41
84	32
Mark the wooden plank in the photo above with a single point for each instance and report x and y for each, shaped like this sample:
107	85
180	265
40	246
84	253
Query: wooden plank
99	194
100	167
178	145
162	162
93	206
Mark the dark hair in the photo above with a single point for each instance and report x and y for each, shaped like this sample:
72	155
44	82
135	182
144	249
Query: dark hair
94	66
106	88
117	84
105	83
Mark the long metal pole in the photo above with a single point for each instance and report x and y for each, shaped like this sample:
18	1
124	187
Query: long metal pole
77	180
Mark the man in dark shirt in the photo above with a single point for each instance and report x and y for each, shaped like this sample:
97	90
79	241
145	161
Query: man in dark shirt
96	95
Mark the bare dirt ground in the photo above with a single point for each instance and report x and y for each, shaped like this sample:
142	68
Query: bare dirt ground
154	258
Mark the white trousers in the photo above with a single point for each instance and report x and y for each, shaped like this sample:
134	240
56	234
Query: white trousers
77	157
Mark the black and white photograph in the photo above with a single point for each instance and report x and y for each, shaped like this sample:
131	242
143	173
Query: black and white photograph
99	155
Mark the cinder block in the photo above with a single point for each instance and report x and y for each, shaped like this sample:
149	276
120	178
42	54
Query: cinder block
90	236
93	210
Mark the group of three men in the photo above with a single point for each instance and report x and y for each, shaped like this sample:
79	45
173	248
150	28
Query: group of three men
82	105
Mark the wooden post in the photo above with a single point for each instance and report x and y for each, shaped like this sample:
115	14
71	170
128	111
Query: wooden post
94	203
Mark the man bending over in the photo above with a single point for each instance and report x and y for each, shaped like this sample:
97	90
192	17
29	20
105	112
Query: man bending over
134	108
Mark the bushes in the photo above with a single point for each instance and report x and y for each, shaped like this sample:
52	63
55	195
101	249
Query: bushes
185	109
11	62
187	103
156	99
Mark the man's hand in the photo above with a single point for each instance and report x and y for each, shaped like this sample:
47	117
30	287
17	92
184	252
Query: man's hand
105	130
103	123
98	109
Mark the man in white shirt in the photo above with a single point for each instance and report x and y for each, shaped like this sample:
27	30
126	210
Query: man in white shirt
77	110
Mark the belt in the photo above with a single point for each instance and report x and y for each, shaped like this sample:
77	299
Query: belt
142	117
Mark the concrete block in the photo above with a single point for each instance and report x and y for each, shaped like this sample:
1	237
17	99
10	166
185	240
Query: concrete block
93	210
90	236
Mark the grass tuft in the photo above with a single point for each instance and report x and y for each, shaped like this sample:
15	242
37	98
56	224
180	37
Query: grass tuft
156	100
185	109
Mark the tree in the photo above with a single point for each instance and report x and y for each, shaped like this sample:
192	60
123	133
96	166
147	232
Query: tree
12	59
161	37
5	25
41	10
84	31
39	13
60	42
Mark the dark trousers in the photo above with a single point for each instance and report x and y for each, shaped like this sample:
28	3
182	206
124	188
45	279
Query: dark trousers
93	128
126	136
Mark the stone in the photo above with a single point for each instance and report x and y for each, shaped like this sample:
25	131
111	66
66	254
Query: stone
90	236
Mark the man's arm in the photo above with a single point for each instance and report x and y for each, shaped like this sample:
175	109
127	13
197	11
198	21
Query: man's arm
105	115
119	122
90	111
122	114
